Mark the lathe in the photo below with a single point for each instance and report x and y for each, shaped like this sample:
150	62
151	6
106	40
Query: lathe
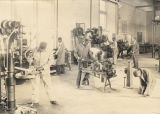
101	69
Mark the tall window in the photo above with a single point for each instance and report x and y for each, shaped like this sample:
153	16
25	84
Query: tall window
124	26
103	14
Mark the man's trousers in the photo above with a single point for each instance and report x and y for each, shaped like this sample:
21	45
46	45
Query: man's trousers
46	81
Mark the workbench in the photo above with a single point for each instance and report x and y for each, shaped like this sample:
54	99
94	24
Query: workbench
102	76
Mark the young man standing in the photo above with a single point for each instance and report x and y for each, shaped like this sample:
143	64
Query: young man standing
82	54
42	66
60	56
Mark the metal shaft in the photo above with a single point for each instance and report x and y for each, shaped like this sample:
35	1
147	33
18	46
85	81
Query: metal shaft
0	87
129	75
10	82
159	64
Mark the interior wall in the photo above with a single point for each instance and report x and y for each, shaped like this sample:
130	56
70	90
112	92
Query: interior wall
135	19
37	16
95	13
157	38
150	29
5	10
111	19
46	24
71	12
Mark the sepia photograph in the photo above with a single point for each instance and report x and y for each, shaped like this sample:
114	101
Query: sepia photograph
79	56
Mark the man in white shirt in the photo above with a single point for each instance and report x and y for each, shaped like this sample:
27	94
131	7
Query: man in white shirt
41	64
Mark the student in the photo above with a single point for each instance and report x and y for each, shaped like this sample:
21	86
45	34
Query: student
146	81
40	62
60	56
82	54
114	48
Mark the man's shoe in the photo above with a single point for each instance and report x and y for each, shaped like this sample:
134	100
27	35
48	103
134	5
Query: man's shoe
83	83
53	102
87	83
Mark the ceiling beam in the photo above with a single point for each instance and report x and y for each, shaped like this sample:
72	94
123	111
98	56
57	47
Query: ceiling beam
144	6
155	5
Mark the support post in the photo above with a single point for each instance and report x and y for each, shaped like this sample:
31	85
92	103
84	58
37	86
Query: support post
154	29
159	56
124	82
129	75
0	87
1	62
90	13
10	82
159	64
57	22
153	53
10	79
21	46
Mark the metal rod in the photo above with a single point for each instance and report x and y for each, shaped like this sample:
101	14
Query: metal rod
90	13
21	45
154	34
144	6
10	79
159	64
112	1
10	82
124	82
129	75
116	19
36	19
57	25
0	81
153	40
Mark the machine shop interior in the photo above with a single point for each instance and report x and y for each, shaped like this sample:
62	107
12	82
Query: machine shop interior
79	56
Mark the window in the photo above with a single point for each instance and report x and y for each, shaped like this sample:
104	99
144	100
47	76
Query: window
102	6
124	26
103	14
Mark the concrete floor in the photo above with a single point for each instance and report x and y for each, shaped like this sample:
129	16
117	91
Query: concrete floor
92	100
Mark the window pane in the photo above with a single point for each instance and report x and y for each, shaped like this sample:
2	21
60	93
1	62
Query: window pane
102	5
103	21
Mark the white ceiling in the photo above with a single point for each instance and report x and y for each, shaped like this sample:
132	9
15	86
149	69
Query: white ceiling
140	3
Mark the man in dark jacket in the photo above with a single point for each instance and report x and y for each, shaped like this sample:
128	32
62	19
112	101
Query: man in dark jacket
83	54
146	81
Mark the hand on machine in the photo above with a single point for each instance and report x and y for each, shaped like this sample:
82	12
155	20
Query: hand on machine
34	69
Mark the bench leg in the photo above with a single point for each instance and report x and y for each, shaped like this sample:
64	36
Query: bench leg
109	82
